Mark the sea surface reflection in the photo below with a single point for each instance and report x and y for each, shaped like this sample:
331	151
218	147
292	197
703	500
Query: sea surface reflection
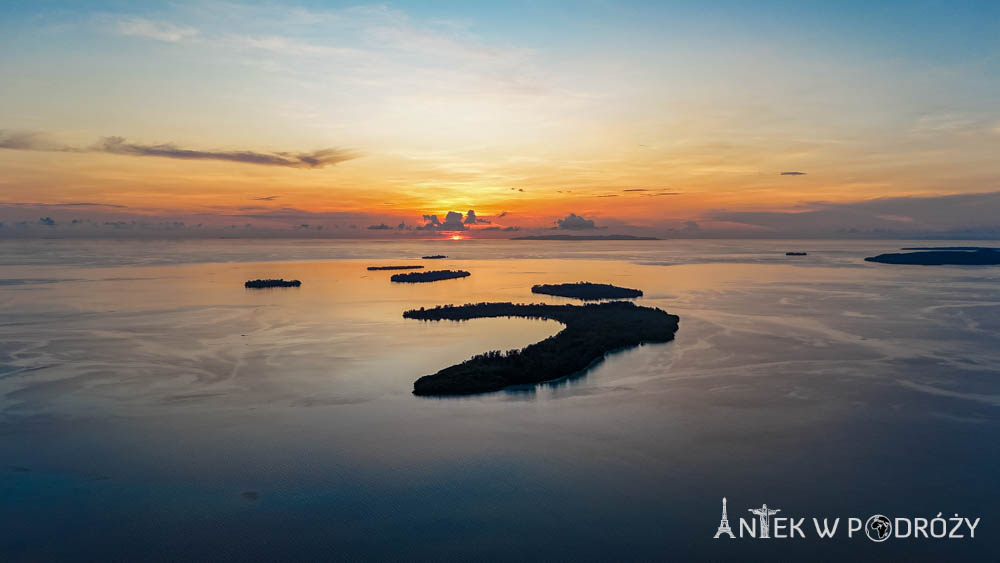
151	408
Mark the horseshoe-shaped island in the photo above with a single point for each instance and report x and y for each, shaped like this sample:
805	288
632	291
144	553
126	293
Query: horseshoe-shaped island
591	332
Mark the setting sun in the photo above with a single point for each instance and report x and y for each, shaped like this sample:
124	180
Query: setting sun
456	237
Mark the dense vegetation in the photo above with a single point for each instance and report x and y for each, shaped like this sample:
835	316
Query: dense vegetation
974	256
434	275
394	267
259	284
586	290
949	248
591	331
434	257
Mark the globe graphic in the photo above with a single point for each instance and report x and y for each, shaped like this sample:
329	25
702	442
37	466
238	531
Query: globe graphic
878	528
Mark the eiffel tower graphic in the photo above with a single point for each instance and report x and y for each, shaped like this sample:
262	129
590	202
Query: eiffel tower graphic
724	524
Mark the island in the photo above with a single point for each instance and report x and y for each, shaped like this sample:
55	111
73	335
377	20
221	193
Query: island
434	257
583	237
796	254
261	284
433	275
949	248
947	256
586	290
592	331
374	268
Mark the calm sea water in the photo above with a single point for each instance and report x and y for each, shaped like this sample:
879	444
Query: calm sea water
153	409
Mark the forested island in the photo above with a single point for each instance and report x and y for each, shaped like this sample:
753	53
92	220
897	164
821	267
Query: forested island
591	331
434	257
945	256
260	284
374	268
583	237
586	290
434	275
949	248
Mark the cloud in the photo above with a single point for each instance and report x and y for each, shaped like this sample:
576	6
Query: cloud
502	215
471	219
574	222
29	141
265	198
691	227
68	204
903	216
47	221
315	159
33	141
160	31
452	222
793	173
635	190
379	227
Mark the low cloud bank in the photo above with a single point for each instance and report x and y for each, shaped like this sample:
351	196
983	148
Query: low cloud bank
574	222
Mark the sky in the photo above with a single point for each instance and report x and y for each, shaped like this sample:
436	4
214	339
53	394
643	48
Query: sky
421	119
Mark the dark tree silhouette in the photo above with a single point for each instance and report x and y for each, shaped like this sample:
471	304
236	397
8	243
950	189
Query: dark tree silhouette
434	275
586	290
591	332
261	284
972	257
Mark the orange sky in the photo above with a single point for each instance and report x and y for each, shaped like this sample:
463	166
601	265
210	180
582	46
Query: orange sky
634	125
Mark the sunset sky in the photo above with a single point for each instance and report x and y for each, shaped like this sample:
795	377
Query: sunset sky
661	118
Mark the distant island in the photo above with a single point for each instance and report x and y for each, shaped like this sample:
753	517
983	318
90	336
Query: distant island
949	248
591	331
434	257
796	254
944	256
434	275
586	290
583	237
260	284
373	268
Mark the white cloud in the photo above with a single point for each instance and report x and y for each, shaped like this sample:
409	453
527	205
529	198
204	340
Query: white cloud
160	31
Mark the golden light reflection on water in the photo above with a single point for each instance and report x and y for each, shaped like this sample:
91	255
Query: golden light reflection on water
192	333
159	389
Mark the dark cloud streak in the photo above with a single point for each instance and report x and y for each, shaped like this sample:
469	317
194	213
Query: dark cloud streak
33	141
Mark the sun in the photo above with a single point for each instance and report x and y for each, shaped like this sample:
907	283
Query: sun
456	237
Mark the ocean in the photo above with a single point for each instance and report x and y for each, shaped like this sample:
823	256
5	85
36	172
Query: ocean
152	409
